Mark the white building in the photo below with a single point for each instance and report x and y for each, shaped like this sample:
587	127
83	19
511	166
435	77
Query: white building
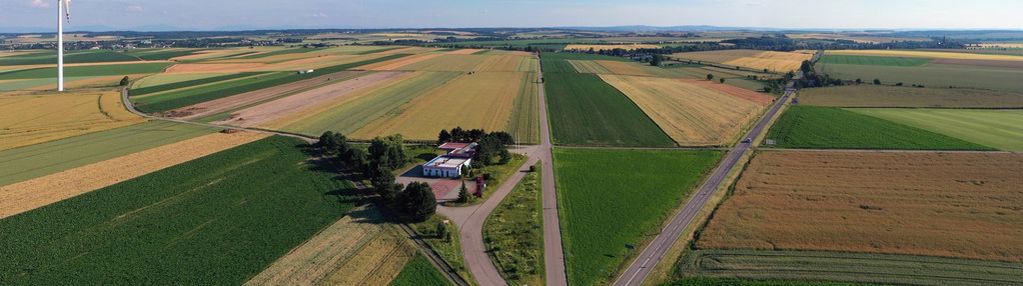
450	165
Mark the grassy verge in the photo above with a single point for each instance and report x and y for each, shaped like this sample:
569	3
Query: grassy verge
612	201
447	246
514	233
220	219
419	272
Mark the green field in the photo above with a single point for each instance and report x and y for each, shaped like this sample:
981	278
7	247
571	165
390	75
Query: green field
1002	129
355	114
220	219
584	110
846	267
873	60
275	53
187	83
171	100
709	281
905	96
514	233
835	128
72	57
612	198
97	70
932	75
419	272
525	118
42	159
160	54
558	62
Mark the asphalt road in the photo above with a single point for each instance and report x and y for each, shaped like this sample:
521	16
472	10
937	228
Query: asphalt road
553	254
654	252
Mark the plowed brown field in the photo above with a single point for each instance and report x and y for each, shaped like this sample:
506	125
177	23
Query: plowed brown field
28	195
965	205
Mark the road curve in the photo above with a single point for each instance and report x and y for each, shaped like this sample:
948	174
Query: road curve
654	252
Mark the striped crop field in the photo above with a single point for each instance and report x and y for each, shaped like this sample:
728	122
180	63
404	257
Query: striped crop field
28	118
692	114
926	54
872	60
909	97
478	100
88	70
610	47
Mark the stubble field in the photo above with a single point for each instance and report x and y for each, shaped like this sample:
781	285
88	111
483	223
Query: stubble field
28	118
757	60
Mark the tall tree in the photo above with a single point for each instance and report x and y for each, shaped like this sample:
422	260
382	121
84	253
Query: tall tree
418	201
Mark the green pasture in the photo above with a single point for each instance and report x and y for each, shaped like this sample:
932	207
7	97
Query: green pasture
1002	129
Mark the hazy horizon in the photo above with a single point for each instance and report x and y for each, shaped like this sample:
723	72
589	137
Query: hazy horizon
388	14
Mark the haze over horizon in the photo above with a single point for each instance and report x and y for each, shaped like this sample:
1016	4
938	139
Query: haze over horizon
37	15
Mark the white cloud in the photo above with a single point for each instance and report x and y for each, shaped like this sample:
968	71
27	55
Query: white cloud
134	8
39	3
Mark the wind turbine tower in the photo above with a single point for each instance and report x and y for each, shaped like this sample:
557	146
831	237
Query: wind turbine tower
63	11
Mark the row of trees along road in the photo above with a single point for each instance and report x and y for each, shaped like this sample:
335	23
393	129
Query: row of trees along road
378	162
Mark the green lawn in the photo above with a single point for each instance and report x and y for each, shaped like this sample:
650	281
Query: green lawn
584	110
609	199
42	159
97	70
172	100
745	267
1002	129
220	219
873	60
835	128
71	57
419	272
514	233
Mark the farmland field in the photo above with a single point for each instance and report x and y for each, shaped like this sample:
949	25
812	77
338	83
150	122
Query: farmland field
175	81
479	100
54	156
610	47
690	113
800	268
88	70
28	118
933	75
926	54
612	198
514	233
27	195
752	59
835	128
890	96
73	57
585	110
220	219
872	60
446	62
369	105
961	205
1002	129
419	272
162	79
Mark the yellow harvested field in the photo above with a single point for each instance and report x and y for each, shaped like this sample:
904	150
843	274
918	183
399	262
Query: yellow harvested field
34	117
1003	45
626	68
463	52
508	63
214	68
927	54
406	50
610	47
752	59
299	103
90	82
205	54
689	113
479	100
447	63
587	66
28	195
358	249
398	63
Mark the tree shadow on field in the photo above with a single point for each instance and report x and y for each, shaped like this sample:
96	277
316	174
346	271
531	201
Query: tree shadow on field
367	214
345	196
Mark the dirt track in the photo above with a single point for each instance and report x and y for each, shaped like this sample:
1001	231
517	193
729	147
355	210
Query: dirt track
272	110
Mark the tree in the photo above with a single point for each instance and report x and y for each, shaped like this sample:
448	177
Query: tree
805	66
721	80
441	229
383	183
124	81
463	194
417	201
388	151
710	77
877	81
859	81
443	137
656	60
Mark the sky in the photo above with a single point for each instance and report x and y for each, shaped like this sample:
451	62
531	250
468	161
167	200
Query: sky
234	14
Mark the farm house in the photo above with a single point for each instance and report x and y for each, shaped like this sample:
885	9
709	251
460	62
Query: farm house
450	165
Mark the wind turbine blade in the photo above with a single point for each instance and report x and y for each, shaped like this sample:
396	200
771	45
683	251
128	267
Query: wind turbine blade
67	10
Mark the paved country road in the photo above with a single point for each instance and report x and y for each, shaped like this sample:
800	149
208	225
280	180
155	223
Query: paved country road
654	252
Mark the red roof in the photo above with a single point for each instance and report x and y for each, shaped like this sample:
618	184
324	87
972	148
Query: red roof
453	146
